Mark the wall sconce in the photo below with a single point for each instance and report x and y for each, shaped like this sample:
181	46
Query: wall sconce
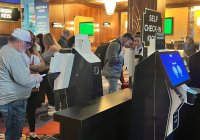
106	24
72	22
58	25
198	24
72	28
97	25
96	28
71	25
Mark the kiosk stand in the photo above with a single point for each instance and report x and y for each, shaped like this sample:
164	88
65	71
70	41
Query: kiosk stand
77	73
159	93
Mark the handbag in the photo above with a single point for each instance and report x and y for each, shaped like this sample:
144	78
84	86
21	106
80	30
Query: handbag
34	89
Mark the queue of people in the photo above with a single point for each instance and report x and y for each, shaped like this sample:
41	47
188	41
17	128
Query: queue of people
23	89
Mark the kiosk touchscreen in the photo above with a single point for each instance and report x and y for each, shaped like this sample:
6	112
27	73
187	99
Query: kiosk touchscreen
174	68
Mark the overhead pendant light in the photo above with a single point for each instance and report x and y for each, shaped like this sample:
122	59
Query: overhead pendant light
110	6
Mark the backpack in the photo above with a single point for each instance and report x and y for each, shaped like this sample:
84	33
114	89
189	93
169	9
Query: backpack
101	52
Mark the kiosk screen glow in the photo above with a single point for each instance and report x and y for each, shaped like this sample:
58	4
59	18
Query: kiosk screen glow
168	26
175	68
87	28
11	1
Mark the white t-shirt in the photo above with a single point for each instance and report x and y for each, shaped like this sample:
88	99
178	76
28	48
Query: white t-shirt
30	60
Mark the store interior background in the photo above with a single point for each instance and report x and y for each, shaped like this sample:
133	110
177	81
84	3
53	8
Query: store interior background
185	14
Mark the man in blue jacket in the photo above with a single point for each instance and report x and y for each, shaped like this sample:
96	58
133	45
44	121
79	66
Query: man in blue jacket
114	60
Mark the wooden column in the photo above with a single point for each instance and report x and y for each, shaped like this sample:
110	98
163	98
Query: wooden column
135	9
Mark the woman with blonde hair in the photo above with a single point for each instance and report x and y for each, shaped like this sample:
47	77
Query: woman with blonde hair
50	42
51	46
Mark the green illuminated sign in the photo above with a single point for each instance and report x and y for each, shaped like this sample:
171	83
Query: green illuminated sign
87	28
168	26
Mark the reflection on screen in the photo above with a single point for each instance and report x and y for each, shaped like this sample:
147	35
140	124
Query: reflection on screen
175	68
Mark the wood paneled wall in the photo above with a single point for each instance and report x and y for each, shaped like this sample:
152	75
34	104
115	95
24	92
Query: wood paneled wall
123	22
109	33
8	27
72	10
180	23
56	14
65	14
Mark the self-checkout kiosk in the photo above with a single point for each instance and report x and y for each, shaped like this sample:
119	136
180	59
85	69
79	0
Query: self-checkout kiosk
159	93
77	71
157	43
130	61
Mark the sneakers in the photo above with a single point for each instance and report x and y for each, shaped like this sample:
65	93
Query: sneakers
50	113
51	108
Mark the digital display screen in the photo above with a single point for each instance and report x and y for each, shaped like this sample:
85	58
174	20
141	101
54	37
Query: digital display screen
11	1
87	28
168	26
175	68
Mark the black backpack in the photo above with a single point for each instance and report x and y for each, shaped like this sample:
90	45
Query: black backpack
101	52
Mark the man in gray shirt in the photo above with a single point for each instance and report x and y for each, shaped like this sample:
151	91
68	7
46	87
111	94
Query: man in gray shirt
114	61
16	82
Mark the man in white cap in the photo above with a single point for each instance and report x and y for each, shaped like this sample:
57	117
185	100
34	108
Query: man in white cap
63	39
16	82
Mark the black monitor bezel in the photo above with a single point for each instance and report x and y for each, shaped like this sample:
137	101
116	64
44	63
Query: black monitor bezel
165	72
80	29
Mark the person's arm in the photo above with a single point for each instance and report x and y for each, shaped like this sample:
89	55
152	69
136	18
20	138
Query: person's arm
40	67
113	51
46	57
20	73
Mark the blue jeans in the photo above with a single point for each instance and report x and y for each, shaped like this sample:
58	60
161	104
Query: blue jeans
14	116
113	85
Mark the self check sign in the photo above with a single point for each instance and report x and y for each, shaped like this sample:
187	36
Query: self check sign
151	24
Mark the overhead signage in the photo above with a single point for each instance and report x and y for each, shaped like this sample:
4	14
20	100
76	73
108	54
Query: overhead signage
150	25
9	14
41	17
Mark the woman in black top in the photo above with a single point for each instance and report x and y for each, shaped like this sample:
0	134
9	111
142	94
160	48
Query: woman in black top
191	49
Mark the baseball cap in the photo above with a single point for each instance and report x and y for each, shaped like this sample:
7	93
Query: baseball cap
23	35
67	32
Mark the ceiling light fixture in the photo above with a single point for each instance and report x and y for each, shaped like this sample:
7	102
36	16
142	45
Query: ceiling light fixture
110	6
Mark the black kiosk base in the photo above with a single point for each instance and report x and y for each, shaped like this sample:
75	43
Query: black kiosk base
159	97
104	118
